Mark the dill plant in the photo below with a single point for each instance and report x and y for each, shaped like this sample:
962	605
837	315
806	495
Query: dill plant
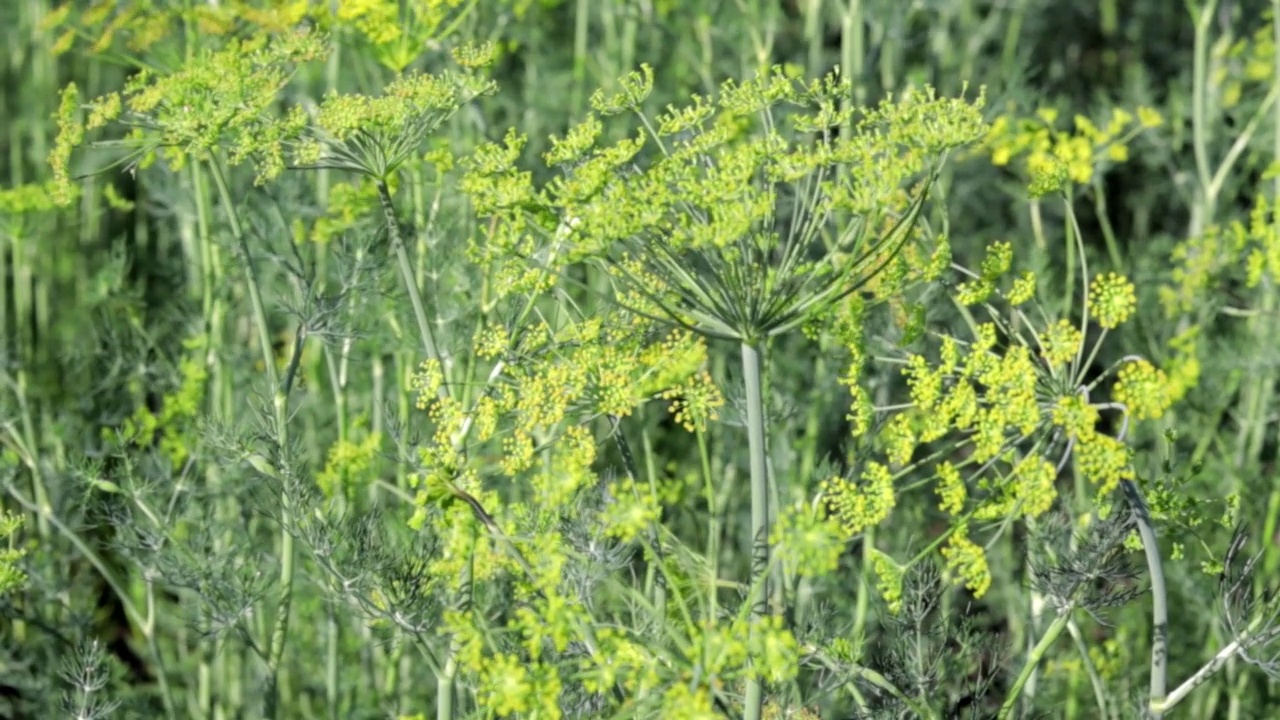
500	557
219	111
733	232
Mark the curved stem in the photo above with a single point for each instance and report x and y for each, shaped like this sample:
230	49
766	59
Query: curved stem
1159	599
144	623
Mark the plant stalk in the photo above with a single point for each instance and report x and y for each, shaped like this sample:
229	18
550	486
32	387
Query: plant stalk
752	377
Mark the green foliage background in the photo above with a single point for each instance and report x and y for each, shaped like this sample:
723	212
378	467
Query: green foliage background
348	367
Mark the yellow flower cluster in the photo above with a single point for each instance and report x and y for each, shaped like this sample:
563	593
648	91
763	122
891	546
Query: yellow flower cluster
348	464
1029	490
12	577
397	32
505	685
1023	290
1075	415
967	560
1055	158
899	439
951	489
808	542
889	575
1060	343
1201	263
857	506
996	262
169	428
695	402
1112	300
1143	388
1246	65
947	397
1104	460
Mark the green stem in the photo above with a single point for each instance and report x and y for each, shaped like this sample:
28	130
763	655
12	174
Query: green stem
1159	596
1033	660
1095	680
1203	213
145	624
813	34
280	407
713	529
752	379
878	680
581	28
331	662
659	585
411	285
1246	640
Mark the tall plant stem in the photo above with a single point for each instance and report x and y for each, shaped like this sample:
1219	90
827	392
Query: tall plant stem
407	274
445	679
1033	661
1202	213
752	377
1257	410
280	408
1159	598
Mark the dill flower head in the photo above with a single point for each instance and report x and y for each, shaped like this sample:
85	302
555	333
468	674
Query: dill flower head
1111	300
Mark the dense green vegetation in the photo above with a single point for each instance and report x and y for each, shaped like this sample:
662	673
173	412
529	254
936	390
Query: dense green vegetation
639	359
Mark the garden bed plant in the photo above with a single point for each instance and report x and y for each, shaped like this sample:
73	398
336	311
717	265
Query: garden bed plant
506	359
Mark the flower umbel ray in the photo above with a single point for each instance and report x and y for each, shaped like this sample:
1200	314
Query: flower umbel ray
745	296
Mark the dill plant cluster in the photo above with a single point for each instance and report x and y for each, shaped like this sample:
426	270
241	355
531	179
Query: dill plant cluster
535	360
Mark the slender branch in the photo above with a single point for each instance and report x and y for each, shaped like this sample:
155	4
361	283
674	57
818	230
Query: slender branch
1033	661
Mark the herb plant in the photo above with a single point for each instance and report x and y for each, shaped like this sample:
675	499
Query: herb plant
633	360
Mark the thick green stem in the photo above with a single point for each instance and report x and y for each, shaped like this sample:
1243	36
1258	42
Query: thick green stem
1202	213
1159	597
753	380
445	679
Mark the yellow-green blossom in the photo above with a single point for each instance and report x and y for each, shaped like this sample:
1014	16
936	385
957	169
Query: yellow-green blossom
348	465
1076	416
695	402
968	561
808	542
1111	300
950	489
505	685
12	576
899	438
1023	290
632	511
1060	343
1104	460
860	505
889	576
1143	388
